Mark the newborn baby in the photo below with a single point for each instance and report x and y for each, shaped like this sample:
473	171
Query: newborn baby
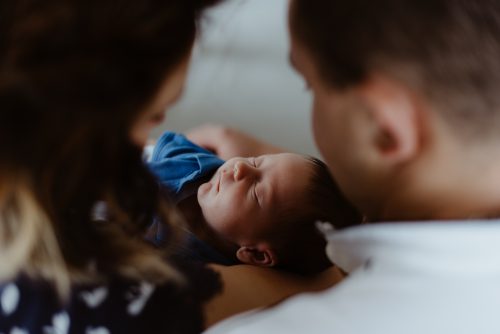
258	210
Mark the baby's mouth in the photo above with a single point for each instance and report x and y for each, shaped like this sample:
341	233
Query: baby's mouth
219	179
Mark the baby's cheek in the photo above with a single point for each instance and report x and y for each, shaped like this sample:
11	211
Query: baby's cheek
220	223
227	220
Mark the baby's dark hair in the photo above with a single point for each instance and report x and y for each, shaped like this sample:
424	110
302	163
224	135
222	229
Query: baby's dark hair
298	245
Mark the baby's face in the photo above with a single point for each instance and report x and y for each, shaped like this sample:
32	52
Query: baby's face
241	198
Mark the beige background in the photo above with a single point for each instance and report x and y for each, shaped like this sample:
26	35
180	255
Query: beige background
240	76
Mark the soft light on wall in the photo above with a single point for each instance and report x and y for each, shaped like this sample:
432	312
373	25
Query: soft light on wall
240	76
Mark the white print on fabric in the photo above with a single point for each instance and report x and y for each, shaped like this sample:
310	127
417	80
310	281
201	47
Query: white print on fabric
17	330
98	330
94	298
9	299
139	297
60	324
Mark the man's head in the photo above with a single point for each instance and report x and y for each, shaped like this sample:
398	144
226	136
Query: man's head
405	99
268	205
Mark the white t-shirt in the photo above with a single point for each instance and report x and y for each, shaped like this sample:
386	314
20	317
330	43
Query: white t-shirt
424	278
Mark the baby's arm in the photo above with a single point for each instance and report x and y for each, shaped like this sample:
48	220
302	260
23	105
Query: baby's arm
228	143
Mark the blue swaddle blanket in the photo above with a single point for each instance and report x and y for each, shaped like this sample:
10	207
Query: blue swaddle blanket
180	164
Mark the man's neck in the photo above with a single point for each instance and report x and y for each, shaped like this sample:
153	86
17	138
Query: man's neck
463	188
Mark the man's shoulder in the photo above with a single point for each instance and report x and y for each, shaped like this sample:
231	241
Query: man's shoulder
368	301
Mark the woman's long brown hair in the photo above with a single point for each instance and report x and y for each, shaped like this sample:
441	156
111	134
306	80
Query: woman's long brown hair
74	76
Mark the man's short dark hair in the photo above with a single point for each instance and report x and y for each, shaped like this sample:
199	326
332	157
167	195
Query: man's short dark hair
449	50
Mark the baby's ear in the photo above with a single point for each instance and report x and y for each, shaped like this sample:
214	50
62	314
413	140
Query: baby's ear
261	255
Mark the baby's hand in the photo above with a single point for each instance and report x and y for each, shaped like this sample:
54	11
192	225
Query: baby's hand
228	143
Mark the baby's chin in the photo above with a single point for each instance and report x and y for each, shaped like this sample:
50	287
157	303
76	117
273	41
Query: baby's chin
205	194
203	191
205	188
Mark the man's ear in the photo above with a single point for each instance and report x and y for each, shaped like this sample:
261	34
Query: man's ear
397	113
259	255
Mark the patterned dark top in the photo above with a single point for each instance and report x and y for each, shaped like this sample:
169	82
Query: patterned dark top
122	306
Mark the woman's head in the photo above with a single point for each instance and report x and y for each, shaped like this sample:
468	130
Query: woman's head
81	84
73	66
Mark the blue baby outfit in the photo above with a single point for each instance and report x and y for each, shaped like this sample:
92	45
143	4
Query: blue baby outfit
181	166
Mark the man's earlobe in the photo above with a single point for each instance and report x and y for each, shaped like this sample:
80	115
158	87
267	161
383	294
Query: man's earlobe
395	111
260	255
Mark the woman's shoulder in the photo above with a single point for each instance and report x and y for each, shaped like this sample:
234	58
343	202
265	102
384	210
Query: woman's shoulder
119	306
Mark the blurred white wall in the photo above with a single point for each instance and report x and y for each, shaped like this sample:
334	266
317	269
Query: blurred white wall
240	76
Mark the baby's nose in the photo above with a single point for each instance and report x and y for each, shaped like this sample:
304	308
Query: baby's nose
242	170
